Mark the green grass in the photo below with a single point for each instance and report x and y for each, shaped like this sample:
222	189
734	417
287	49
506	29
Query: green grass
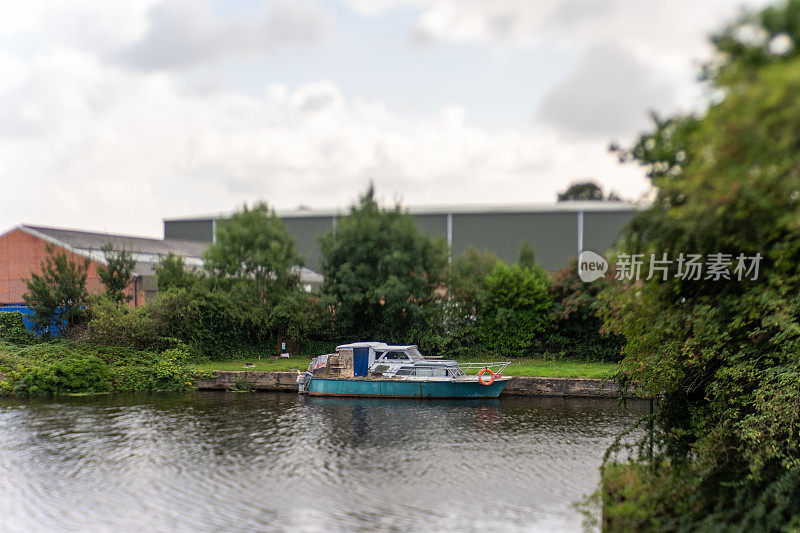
560	368
266	364
519	367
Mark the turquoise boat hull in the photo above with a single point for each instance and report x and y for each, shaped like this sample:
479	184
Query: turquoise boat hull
396	388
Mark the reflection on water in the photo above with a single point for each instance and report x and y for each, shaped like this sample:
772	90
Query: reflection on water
245	462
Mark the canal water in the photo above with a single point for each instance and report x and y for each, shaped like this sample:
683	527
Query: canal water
207	461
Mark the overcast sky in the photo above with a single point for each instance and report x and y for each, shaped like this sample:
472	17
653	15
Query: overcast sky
117	114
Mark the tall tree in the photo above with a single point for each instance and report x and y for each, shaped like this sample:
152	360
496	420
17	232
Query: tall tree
587	191
58	295
117	273
254	249
721	350
381	270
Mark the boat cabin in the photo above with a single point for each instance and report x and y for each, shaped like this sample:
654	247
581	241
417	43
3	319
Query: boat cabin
378	359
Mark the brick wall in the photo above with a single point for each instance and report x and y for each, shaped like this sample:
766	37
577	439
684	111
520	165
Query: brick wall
21	254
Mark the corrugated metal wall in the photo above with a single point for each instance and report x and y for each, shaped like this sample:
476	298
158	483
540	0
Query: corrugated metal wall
553	234
307	230
601	229
190	230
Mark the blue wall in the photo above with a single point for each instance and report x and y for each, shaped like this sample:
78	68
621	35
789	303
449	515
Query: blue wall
26	316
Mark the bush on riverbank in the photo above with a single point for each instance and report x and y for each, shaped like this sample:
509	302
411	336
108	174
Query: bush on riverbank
62	367
575	324
13	330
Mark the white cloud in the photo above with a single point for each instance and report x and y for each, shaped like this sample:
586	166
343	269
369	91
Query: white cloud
184	33
608	93
672	35
118	149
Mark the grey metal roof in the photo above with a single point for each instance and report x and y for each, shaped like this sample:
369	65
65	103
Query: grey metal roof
147	252
86	240
560	207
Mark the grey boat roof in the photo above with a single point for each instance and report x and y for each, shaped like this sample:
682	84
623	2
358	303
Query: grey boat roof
363	344
375	345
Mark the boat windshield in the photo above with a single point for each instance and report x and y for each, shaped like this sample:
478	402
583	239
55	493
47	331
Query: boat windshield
409	353
414	354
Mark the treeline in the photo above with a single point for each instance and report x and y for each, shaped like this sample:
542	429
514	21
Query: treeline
383	280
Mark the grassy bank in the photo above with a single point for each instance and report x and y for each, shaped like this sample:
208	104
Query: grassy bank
562	368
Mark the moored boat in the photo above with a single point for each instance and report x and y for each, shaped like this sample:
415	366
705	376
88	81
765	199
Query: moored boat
377	369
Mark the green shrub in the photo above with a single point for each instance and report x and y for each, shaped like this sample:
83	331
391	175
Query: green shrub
73	373
72	367
12	329
114	324
166	371
516	311
575	327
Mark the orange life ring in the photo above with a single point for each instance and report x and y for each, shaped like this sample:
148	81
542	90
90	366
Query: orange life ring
487	383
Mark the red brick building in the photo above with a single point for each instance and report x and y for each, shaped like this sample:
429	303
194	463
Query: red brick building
24	248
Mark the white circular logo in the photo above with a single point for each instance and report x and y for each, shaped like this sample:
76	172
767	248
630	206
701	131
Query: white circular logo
591	266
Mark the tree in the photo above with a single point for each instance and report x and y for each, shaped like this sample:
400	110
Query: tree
467	279
723	355
58	295
381	271
516	310
171	273
587	191
527	256
117	273
584	190
253	249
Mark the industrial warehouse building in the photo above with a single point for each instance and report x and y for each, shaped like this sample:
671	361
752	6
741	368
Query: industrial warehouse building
24	248
557	232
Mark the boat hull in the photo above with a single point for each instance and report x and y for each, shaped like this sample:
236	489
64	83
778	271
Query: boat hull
395	388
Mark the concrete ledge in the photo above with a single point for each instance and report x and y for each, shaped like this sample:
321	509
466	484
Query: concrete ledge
259	380
562	387
519	386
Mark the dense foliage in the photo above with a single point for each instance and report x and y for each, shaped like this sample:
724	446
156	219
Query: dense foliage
724	354
172	273
69	367
384	280
254	252
586	191
576	325
58	295
12	329
381	272
516	309
117	272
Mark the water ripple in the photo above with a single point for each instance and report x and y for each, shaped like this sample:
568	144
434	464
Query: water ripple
276	462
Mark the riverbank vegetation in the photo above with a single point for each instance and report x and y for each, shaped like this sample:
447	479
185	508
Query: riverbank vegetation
64	367
724	354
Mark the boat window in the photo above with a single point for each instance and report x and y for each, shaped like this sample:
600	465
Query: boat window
395	356
414	354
